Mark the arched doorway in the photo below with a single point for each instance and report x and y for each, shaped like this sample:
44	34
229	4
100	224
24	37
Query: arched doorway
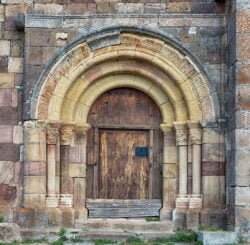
124	154
64	96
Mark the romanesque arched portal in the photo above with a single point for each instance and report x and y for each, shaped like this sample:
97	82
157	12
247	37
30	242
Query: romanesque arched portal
65	94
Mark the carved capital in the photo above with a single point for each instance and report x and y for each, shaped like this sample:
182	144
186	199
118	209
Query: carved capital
181	133
195	132
82	128
67	133
52	136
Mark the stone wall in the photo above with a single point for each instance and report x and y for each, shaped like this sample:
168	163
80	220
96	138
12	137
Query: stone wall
198	26
238	153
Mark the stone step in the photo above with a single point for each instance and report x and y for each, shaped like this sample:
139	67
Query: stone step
125	225
120	236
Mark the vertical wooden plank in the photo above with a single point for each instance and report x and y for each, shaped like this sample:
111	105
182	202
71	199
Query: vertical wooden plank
151	162
96	158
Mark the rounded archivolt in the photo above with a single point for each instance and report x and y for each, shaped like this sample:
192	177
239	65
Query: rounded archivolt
142	62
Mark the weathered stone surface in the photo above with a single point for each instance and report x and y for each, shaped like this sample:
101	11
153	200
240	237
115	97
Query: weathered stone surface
193	220
77	170
179	218
217	238
9	152
4	48
6	133
213	152
18	135
213	191
15	65
5	97
213	169
8	115
35	168
6	80
170	170
239	196
35	152
26	217
34	184
34	200
214	218
67	217
55	217
79	192
8	192
9	233
7	172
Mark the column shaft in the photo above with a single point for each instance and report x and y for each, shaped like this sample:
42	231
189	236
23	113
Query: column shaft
196	170
51	159
182	170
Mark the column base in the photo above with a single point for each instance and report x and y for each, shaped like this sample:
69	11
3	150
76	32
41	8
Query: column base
81	213
182	202
52	201
195	202
165	213
66	200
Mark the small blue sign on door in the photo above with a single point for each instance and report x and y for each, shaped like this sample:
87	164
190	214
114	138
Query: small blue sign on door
141	151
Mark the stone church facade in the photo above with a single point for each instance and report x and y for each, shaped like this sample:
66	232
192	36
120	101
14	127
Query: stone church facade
75	79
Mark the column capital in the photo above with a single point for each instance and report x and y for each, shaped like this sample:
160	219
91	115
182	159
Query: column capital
67	133
31	124
82	128
181	133
195	132
52	136
166	127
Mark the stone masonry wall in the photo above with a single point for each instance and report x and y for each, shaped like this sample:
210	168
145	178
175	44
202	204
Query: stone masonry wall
196	25
238	144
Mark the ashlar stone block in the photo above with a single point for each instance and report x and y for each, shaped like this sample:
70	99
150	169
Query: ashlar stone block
34	184
6	80
4	48
77	170
15	65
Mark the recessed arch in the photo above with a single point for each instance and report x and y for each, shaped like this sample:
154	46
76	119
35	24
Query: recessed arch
168	70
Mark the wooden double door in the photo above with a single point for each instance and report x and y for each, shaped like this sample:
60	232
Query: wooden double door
124	152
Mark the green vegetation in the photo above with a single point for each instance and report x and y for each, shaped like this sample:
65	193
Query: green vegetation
180	236
11	243
135	241
1	219
152	219
212	228
30	241
104	241
57	242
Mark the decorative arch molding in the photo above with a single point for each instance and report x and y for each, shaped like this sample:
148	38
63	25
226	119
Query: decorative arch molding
64	95
168	68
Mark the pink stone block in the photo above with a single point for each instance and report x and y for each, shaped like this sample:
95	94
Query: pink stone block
5	97
6	134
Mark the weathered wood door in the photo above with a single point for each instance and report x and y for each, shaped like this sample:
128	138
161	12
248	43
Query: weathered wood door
124	147
122	175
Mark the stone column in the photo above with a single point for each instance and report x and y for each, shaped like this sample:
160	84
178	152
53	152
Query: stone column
182	142
195	134
67	136
169	170
77	170
52	140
